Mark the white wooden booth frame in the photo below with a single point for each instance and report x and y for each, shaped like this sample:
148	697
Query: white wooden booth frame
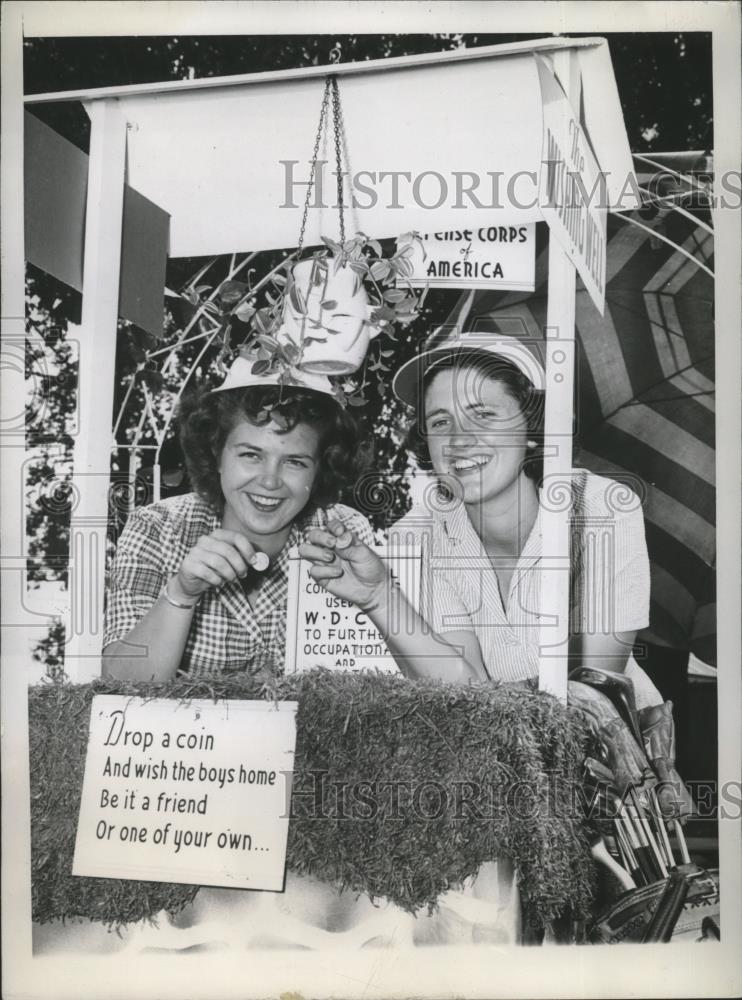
124	126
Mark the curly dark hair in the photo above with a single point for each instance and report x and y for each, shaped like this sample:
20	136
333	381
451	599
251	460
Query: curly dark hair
518	386
206	418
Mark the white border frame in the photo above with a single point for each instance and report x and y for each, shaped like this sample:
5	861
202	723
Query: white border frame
673	970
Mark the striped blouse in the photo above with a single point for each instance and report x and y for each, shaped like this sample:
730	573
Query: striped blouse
609	581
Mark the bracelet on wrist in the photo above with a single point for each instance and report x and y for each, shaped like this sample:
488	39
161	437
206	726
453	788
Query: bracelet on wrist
178	604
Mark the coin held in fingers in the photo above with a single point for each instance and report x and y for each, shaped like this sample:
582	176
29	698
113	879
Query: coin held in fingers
260	562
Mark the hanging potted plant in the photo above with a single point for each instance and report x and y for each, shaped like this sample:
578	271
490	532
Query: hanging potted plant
321	311
324	311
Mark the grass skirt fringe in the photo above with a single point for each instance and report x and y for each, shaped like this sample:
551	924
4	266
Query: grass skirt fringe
401	791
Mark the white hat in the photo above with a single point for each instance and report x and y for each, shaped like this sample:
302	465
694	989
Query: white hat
521	353
241	376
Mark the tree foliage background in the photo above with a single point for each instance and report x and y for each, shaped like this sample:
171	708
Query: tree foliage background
664	81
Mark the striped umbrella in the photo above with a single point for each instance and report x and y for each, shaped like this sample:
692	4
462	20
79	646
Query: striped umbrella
644	401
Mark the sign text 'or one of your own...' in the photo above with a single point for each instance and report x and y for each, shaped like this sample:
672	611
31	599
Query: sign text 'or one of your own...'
325	631
477	256
195	792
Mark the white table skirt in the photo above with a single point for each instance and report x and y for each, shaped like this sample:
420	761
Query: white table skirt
308	915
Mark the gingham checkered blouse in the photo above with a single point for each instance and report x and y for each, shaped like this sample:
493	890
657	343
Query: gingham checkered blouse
609	575
226	634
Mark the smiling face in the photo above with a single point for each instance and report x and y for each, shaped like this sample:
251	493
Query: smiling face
267	477
476	435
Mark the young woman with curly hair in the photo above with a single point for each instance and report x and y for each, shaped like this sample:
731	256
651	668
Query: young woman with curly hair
199	582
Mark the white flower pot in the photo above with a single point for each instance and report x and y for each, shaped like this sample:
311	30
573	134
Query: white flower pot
333	327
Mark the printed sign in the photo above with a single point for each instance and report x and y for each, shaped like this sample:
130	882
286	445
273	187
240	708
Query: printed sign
572	192
195	792
480	256
324	631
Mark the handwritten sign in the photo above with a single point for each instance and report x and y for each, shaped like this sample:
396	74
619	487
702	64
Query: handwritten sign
195	792
478	256
572	190
325	631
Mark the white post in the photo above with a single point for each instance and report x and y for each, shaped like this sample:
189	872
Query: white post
555	561
92	451
558	420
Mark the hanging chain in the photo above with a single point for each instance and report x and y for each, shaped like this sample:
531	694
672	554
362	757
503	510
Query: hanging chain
330	86
337	122
318	138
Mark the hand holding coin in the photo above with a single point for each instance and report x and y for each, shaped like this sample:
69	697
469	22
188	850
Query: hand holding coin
346	567
221	557
343	537
260	562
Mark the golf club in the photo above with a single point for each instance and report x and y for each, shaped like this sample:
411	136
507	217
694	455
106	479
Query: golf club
619	689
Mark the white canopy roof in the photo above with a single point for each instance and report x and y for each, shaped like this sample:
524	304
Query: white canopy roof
219	154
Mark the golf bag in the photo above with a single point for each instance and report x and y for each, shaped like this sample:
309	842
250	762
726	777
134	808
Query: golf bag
684	906
634	793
